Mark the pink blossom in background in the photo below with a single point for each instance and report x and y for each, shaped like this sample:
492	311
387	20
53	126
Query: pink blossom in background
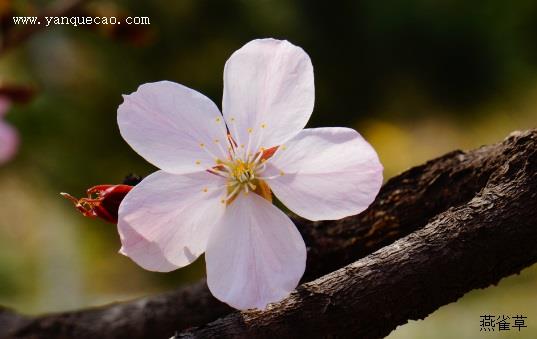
213	192
9	138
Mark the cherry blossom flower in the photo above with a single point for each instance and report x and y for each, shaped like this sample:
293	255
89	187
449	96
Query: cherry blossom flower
213	192
9	138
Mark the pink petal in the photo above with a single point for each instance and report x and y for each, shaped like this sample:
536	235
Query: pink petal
172	126
328	173
268	83
9	142
165	221
255	255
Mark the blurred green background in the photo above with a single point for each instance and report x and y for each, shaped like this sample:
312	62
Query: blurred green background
417	78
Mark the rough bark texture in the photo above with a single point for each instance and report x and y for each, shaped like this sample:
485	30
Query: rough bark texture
471	219
469	246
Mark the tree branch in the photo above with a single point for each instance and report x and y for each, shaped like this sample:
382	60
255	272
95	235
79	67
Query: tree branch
405	204
466	247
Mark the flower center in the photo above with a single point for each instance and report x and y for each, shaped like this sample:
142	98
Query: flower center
243	173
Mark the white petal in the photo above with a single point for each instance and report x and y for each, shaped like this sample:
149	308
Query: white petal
328	173
165	221
9	142
268	83
173	127
255	256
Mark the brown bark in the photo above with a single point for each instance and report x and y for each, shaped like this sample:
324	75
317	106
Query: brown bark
469	246
476	204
